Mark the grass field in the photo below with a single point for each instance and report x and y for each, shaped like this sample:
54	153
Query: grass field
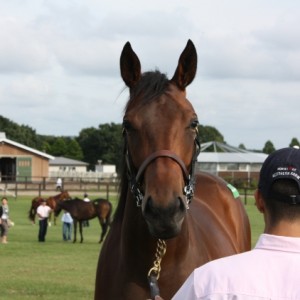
56	269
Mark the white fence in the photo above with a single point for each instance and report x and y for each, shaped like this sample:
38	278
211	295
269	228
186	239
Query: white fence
84	176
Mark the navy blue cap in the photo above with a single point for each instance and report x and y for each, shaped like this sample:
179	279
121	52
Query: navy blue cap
281	164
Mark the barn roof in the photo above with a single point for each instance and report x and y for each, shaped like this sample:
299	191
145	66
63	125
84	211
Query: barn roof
223	153
63	161
249	158
3	139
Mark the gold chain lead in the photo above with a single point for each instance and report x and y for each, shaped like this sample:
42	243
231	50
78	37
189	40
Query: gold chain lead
161	249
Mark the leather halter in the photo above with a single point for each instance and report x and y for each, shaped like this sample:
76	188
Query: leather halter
189	176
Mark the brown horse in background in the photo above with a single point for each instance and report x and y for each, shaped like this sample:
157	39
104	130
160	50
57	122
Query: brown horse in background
157	212
82	211
51	202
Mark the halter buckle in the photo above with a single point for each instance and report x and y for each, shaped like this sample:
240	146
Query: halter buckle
137	194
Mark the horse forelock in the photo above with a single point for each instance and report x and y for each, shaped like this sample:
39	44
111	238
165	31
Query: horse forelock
148	88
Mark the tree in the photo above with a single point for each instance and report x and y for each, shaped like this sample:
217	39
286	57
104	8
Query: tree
22	134
89	141
242	146
268	148
209	134
294	142
104	143
74	150
59	147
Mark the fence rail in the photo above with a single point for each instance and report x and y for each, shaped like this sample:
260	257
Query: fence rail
46	185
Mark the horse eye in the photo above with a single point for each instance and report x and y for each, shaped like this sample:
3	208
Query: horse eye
126	125
194	124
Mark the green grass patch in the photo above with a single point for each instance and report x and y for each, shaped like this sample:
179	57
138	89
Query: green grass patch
256	220
51	270
56	269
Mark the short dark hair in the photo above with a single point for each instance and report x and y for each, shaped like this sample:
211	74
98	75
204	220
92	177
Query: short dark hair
281	210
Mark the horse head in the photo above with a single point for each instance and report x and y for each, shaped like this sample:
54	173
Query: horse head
161	145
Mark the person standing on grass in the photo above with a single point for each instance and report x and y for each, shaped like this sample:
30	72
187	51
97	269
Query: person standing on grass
43	212
271	269
4	216
67	225
59	184
86	198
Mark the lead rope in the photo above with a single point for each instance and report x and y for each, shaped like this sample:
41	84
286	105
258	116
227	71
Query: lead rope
154	272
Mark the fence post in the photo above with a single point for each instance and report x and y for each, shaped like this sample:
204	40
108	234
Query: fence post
44	183
16	189
245	196
107	191
40	187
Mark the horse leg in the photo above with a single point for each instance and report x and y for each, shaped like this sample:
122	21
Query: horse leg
32	213
80	229
75	230
104	226
33	217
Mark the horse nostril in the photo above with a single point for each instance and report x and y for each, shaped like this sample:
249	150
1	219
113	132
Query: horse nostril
182	204
148	205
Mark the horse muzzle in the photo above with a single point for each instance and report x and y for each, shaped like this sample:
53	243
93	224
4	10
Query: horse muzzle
164	222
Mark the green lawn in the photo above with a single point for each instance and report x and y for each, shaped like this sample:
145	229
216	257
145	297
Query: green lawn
51	270
256	220
57	269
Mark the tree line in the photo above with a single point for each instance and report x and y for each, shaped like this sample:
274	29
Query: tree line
104	143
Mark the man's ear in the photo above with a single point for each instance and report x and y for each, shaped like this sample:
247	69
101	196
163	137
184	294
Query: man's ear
259	202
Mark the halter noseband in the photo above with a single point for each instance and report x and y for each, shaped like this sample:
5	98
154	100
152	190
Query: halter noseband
189	177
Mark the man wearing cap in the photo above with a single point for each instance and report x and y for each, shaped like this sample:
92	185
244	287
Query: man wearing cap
43	212
272	269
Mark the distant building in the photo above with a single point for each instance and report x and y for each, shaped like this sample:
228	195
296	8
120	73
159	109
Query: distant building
75	169
64	165
106	170
230	162
21	163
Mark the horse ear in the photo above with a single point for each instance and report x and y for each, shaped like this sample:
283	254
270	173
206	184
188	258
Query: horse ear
130	66
187	66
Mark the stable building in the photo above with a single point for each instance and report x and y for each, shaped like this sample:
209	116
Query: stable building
230	163
63	166
21	163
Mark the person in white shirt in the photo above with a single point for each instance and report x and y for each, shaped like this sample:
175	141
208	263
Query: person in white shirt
43	212
86	223
271	269
86	198
59	184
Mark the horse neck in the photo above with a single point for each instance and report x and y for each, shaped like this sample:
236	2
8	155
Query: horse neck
135	238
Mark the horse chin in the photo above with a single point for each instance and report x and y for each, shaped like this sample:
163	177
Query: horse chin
164	231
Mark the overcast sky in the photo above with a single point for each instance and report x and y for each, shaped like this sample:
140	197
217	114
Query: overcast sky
59	62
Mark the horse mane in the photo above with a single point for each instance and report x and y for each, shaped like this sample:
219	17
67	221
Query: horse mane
151	85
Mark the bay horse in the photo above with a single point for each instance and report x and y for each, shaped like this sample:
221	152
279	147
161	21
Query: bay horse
81	211
51	202
161	232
